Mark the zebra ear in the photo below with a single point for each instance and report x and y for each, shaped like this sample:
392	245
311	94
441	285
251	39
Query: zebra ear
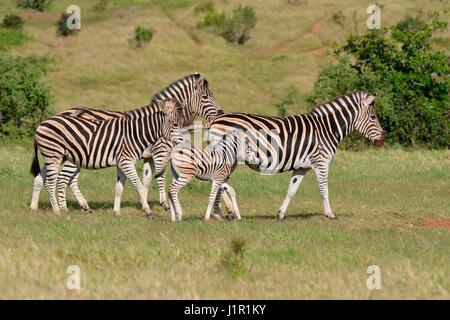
166	106
200	81
369	100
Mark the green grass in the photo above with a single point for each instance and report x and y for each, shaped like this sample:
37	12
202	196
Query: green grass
11	38
384	200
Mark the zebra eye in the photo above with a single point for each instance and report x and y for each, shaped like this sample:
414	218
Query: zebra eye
372	117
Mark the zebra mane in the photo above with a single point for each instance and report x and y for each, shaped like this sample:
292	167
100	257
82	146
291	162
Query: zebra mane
162	94
322	107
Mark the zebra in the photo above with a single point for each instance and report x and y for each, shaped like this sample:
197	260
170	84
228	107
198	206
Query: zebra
215	164
302	142
93	144
191	90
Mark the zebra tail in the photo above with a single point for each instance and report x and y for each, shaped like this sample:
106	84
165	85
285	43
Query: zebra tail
35	167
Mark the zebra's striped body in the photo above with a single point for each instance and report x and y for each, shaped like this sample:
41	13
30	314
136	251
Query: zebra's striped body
99	144
303	142
215	164
192	91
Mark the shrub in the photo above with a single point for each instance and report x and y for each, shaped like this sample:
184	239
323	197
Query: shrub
39	5
12	21
233	259
235	28
410	79
24	99
141	36
61	26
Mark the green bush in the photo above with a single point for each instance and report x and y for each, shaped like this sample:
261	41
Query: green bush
141	36
61	26
39	5
12	21
409	77
24	99
235	28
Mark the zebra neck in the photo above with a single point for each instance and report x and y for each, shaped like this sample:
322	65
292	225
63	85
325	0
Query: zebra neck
333	127
227	149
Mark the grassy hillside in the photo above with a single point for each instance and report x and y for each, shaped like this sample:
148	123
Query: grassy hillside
287	47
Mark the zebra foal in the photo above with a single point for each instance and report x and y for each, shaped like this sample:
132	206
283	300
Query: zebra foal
215	164
91	144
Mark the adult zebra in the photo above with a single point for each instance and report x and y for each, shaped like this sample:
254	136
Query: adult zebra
92	144
303	142
191	90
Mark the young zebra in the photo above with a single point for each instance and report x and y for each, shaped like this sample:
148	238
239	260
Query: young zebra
92	144
214	164
192	90
303	142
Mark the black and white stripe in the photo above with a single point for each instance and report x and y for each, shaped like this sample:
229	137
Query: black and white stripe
215	164
192	91
303	142
96	144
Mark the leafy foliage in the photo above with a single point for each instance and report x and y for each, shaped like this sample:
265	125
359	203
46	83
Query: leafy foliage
61	26
234	28
141	36
24	99
12	21
409	77
39	5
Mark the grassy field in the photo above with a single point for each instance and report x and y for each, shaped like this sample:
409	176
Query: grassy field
393	205
393	209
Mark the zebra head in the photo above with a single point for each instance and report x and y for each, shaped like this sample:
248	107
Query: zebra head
367	122
174	113
193	91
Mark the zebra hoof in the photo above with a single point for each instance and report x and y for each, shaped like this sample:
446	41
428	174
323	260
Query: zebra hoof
281	220
217	217
229	216
150	216
87	210
165	206
331	216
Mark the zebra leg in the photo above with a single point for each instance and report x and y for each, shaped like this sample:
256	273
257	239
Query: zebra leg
212	197
147	176
161	181
73	184
128	168
174	189
217	209
296	180
37	187
232	194
65	175
120	181
69	177
322	181
52	171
